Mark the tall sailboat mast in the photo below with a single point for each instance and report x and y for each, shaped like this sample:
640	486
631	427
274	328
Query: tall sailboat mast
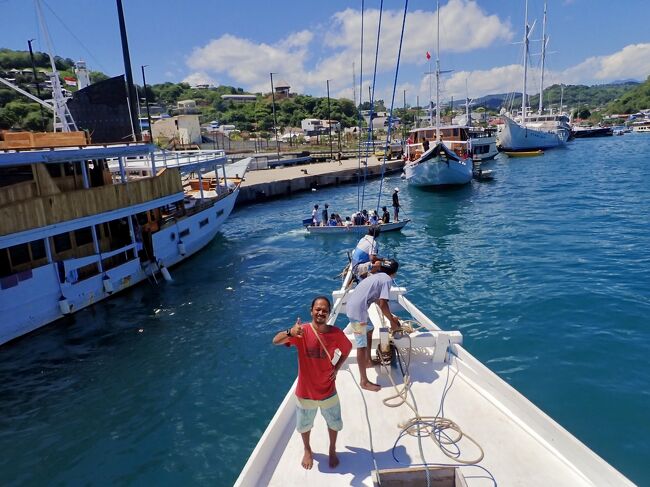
541	79
523	91
438	76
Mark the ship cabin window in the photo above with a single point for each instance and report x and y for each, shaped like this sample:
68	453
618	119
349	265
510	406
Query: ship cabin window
22	258
15	175
203	223
184	233
5	265
62	242
19	254
219	213
83	236
54	170
38	249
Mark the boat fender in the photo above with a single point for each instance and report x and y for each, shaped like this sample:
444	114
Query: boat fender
181	248
165	273
65	306
108	284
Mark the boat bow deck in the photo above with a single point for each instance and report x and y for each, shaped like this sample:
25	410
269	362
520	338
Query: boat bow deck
521	444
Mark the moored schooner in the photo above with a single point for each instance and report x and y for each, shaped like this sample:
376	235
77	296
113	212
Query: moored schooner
80	222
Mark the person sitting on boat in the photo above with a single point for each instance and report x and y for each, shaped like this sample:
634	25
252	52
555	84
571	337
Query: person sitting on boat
332	221
364	255
347	222
373	289
315	217
366	217
357	218
385	217
339	222
373	219
322	350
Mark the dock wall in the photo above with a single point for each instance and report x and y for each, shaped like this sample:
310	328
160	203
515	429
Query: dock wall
274	183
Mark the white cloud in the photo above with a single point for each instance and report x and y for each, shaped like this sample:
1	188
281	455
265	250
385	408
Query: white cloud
633	61
200	78
249	63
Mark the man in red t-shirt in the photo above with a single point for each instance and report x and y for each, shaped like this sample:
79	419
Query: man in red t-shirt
322	350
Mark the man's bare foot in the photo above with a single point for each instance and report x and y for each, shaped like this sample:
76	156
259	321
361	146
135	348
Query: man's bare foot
334	459
370	386
308	460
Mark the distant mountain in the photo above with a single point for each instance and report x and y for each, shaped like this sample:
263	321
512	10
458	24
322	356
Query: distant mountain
626	82
574	96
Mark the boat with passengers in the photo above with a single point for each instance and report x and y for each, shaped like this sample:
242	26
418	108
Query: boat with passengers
81	222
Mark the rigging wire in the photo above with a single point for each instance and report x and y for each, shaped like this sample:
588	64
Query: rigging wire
369	142
75	37
392	105
360	118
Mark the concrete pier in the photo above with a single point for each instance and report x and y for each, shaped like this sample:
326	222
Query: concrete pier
273	183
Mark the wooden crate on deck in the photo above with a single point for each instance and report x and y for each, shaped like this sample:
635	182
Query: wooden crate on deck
32	140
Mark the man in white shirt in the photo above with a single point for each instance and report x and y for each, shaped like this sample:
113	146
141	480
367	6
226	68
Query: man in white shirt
315	216
364	254
373	289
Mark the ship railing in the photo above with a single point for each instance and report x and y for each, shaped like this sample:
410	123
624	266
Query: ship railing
78	269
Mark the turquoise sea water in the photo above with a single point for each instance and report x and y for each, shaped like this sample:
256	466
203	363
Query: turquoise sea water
545	271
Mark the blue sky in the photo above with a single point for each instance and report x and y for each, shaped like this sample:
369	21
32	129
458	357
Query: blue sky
306	43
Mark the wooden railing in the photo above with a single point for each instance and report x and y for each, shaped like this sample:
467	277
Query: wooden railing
47	210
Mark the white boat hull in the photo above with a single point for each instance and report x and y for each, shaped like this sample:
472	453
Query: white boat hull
513	137
438	170
33	300
521	445
356	229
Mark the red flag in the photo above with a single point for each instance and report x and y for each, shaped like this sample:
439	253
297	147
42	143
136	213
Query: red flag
428	55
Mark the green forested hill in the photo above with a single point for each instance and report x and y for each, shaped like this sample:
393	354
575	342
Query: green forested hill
633	100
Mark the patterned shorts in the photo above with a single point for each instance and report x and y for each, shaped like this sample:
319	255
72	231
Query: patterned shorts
306	409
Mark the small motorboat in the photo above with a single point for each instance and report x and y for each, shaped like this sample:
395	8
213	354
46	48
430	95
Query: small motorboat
527	153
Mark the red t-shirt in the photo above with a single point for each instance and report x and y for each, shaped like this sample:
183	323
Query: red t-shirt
314	367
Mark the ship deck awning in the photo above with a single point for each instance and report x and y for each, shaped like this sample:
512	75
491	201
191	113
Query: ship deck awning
67	154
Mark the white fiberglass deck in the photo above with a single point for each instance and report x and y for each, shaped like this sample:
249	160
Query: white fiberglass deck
522	446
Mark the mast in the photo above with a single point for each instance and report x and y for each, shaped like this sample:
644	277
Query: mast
130	88
438	76
541	79
468	119
61	110
523	91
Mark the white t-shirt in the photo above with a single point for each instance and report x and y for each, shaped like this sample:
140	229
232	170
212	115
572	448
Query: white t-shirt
366	247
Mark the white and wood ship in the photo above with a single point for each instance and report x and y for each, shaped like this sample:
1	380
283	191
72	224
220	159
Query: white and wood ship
440	414
81	222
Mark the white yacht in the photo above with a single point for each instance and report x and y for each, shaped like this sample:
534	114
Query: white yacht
81	222
533	131
437	164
